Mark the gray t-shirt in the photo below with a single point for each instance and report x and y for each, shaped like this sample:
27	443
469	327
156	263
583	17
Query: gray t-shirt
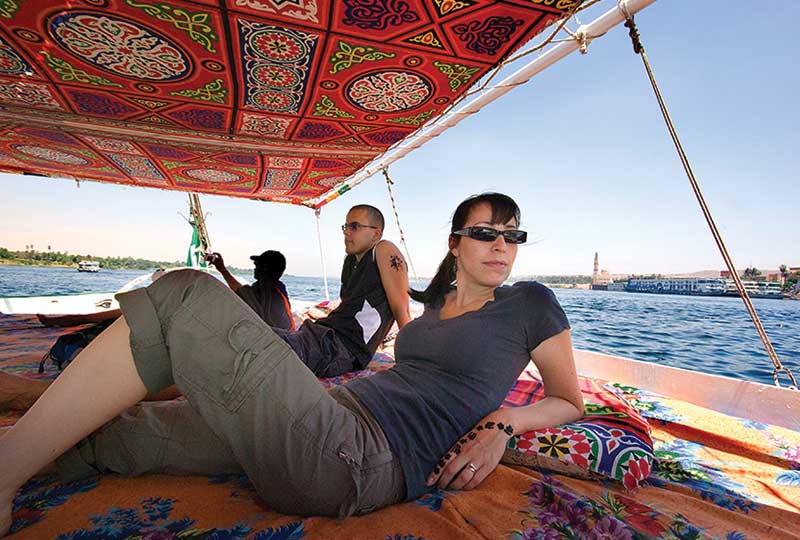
450	374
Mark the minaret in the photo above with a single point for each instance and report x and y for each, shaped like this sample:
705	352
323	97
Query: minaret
596	273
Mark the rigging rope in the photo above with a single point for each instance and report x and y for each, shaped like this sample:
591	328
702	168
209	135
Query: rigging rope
638	48
389	183
322	257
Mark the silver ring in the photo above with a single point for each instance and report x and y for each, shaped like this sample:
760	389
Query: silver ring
472	468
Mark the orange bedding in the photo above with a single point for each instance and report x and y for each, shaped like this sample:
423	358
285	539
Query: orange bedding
718	477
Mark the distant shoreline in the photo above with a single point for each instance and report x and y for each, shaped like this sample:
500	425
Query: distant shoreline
6	262
15	263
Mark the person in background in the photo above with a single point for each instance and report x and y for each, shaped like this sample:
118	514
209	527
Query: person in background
267	296
373	295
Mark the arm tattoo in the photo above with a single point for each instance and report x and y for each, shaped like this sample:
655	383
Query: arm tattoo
396	262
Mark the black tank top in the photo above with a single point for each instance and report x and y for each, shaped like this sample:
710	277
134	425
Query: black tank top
364	317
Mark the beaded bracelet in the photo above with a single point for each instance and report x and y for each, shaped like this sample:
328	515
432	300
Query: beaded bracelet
505	428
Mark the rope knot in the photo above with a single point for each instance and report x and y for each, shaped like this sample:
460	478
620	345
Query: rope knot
633	32
583	41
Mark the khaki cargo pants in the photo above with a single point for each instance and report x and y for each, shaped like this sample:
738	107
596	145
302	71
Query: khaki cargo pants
251	405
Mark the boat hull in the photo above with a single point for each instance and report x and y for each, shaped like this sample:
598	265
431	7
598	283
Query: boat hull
71	304
744	399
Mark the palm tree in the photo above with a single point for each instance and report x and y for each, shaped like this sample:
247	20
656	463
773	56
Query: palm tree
751	273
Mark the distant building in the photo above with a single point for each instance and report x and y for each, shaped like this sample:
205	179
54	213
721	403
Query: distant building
601	279
702	287
726	274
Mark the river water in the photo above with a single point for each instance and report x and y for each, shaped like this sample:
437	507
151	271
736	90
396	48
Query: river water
708	334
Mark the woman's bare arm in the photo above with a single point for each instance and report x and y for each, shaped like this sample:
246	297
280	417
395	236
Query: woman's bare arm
483	447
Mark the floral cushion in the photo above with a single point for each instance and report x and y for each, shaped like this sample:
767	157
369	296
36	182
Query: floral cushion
612	440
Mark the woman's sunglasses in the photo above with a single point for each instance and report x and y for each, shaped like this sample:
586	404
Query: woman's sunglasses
487	234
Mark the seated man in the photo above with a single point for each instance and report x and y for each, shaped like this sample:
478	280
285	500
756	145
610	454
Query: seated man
267	296
374	294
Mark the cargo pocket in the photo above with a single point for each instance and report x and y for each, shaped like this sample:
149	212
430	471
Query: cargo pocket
256	354
223	364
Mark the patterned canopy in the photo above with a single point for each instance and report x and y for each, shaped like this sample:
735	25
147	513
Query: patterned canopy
278	100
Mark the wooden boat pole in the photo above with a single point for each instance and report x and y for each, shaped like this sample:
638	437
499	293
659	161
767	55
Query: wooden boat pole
200	220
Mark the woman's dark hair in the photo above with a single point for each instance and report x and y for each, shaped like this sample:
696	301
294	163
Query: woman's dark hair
503	210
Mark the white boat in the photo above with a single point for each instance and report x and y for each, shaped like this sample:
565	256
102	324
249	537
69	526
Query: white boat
703	287
88	266
756	289
62	304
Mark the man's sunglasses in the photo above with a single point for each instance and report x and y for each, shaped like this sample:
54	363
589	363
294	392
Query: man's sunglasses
355	226
487	234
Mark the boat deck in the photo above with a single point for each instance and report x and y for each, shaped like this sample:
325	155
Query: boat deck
718	477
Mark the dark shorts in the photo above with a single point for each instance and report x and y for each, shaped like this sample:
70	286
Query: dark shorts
322	350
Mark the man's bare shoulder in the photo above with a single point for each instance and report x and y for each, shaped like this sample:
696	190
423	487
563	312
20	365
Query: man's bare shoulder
386	246
389	253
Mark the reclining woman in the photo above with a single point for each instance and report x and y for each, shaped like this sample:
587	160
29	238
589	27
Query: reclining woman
252	406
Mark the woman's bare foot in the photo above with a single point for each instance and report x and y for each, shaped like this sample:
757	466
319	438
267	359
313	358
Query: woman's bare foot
18	393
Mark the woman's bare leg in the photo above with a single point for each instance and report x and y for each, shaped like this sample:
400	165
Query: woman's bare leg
99	384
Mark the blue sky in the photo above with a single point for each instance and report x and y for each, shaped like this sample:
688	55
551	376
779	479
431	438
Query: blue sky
582	148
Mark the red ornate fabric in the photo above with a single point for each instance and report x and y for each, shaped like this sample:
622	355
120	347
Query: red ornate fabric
277	100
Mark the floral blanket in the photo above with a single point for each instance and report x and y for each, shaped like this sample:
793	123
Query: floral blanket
717	477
